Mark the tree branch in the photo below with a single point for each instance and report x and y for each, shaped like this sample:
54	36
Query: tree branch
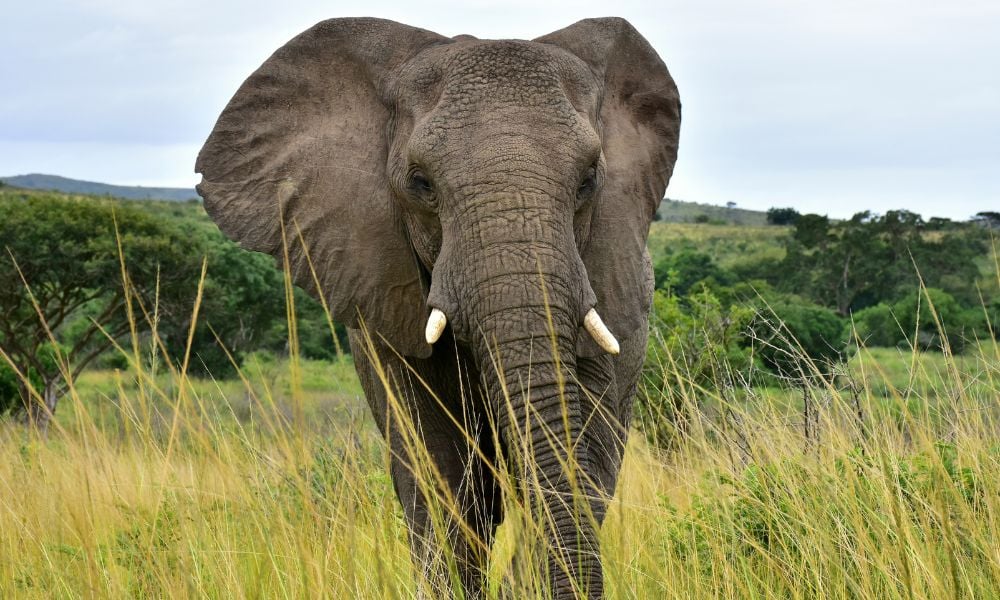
99	348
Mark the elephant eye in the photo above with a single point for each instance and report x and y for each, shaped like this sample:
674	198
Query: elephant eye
588	184
420	184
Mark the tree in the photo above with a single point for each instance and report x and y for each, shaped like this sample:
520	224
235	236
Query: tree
987	218
940	224
243	310
812	231
782	216
66	297
853	268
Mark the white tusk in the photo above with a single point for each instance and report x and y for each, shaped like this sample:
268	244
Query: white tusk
599	331
435	326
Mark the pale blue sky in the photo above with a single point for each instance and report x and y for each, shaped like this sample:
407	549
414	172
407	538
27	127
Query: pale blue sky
829	107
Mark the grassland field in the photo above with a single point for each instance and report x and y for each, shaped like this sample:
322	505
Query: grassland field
274	484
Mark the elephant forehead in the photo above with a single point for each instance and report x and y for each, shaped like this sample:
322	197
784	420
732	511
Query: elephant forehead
502	71
497	72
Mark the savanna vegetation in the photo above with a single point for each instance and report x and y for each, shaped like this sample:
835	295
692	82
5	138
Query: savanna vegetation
819	418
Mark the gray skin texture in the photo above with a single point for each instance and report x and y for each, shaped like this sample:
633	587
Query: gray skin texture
509	183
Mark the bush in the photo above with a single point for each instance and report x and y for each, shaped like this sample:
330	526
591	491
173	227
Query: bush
683	270
877	326
796	338
910	321
959	325
694	345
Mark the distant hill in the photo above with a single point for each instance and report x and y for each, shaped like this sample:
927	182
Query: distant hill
679	211
37	181
670	211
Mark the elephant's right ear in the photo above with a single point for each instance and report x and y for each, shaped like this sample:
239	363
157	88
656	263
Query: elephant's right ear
300	154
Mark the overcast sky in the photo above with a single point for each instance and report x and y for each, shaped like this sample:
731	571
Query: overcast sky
829	106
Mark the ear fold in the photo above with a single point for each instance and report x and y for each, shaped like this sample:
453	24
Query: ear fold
300	153
639	124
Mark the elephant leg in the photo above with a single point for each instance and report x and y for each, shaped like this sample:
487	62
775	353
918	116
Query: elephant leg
440	446
611	384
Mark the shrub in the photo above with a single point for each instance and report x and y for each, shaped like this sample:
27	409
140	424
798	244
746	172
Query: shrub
958	324
877	326
911	321
683	270
693	346
796	338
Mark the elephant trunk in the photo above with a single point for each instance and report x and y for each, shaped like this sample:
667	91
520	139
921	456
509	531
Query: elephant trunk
527	321
540	421
514	287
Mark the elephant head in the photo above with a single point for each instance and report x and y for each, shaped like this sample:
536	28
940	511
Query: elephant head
502	189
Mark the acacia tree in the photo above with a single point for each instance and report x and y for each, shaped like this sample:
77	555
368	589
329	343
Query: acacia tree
64	293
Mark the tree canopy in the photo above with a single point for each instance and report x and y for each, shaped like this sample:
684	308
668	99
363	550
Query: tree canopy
82	274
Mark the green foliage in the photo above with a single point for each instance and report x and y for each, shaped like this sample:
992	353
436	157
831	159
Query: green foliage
10	395
244	309
920	319
988	218
693	345
782	216
812	231
684	270
798	339
878	326
68	251
853	264
940	224
788	332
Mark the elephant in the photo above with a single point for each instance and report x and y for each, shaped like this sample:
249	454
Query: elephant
476	213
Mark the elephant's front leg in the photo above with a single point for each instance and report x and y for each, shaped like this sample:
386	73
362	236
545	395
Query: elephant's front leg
449	495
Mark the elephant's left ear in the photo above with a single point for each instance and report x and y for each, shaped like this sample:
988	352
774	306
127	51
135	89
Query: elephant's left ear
639	123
